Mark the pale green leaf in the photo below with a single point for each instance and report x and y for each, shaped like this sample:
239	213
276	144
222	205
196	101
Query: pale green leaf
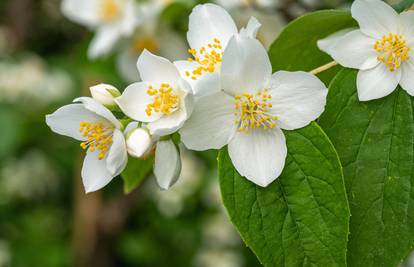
135	172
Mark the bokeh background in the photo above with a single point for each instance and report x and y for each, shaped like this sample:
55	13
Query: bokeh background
46	220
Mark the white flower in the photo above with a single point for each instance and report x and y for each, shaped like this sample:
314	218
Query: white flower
139	142
163	99
250	112
382	49
112	20
210	29
100	133
167	166
105	94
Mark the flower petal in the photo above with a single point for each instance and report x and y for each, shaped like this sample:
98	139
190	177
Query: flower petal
167	167
96	107
377	82
407	76
331	41
103	42
207	22
134	100
153	68
206	84
407	26
95	174
83	12
246	66
66	120
355	50
259	155
211	125
169	124
297	98
251	29
117	158
375	17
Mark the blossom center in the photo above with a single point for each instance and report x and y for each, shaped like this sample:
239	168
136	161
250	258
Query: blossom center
252	111
110	10
98	137
209	59
164	99
146	42
393	50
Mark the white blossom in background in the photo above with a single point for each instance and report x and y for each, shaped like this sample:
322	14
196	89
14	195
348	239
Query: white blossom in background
153	36
250	112
101	136
261	4
210	28
111	19
157	39
29	80
219	258
382	49
28	177
5	254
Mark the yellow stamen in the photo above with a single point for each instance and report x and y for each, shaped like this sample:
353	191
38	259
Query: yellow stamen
164	99
110	10
393	51
208	58
98	137
252	111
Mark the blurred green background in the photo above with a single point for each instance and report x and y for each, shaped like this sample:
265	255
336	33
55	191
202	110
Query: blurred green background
46	219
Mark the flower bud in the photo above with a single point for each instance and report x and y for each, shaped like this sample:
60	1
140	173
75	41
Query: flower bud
105	94
139	142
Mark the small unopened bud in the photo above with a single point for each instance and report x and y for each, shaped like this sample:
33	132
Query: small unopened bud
105	94
139	142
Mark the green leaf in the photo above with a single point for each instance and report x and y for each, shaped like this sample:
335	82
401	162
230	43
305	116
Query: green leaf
403	5
375	142
135	172
301	219
295	48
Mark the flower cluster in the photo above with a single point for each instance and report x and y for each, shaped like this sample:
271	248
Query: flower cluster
223	94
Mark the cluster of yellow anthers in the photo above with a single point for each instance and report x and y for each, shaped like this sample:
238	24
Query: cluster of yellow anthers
164	99
207	58
98	137
393	50
110	10
252	111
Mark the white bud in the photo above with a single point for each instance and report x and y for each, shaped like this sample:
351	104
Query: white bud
139	142
105	94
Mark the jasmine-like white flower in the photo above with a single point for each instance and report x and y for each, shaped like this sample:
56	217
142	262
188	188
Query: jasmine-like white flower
163	99
250	112
112	20
105	94
101	135
167	166
210	29
382	49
